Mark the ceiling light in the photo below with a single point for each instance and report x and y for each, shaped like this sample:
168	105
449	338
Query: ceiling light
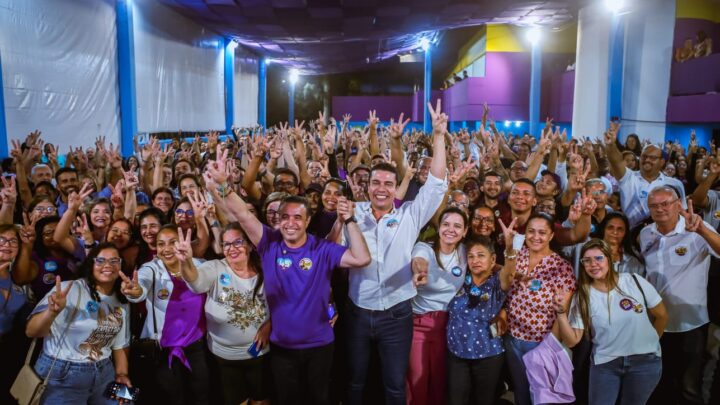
425	44
294	76
614	5
533	35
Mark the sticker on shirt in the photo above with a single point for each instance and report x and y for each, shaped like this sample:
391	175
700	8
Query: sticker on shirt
592	228
91	306
681	250
535	285
643	193
163	293
474	291
626	304
305	264
716	214
48	278
638	308
108	327
50	266
497	213
225	279
393	223
456	271
485	297
284	262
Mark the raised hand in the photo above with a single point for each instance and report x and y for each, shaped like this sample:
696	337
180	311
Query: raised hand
612	133
357	190
9	193
420	271
199	204
76	199
439	119
131	179
397	128
58	301
693	221
345	208
216	168
112	155
183	246
588	203
130	287
508	232
373	119
561	300
27	232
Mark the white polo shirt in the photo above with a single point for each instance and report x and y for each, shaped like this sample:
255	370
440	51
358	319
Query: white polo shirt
387	280
677	266
634	190
711	213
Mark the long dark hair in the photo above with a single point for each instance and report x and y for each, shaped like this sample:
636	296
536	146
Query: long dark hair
436	237
39	246
550	223
253	256
86	272
627	243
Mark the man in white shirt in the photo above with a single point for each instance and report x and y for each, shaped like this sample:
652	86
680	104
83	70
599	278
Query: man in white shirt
381	293
677	249
635	185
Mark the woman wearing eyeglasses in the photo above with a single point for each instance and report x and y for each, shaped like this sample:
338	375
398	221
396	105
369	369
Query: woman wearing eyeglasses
529	305
40	207
12	297
177	314
613	308
189	214
238	319
83	323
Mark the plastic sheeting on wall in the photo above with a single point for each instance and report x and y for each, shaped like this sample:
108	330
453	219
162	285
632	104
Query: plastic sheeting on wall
59	61
245	88
178	71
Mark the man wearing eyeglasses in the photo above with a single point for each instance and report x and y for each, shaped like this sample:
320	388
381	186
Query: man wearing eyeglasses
677	250
635	185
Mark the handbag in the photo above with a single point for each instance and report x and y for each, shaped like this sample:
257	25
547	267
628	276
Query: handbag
28	387
146	351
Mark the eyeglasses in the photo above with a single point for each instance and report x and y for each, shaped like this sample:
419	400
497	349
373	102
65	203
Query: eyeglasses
49	233
188	213
586	261
49	210
458	204
483	220
237	244
121	232
663	204
598	192
651	158
272	213
113	261
284	184
11	242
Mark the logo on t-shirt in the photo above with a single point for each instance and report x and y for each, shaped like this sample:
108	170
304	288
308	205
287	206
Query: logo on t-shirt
91	306
626	304
681	250
48	278
305	264
284	262
643	193
225	279
163	293
392	223
716	214
456	271
50	265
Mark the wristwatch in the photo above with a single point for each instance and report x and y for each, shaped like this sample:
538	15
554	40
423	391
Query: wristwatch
351	219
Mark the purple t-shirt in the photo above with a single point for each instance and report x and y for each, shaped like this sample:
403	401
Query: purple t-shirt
297	287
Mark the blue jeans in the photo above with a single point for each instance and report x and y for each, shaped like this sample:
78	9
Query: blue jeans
514	351
626	380
392	330
76	383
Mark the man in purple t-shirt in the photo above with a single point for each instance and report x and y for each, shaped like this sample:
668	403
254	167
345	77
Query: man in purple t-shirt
297	269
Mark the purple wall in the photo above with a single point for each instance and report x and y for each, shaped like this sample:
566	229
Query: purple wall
358	106
419	108
557	97
699	108
688	27
696	76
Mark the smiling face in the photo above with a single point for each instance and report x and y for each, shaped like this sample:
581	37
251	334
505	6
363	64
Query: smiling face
41	173
452	228
294	220
166	247
598	193
188	186
67	183
423	169
100	215
149	227
120	234
651	161
472	190
630	161
184	215
492	185
236	247
163	201
330	196
480	260
43	209
669	170
522	198
595	263
9	246
538	235
47	235
483	221
182	168
272	214
109	270
382	188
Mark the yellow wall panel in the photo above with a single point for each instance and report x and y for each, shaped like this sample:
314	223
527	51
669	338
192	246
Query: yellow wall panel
702	9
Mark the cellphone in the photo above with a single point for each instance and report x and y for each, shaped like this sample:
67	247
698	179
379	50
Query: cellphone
121	391
331	311
493	330
253	350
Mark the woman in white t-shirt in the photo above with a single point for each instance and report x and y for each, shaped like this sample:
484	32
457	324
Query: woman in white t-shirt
238	319
438	272
84	322
613	309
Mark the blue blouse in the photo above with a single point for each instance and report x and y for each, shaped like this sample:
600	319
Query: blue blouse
9	307
468	329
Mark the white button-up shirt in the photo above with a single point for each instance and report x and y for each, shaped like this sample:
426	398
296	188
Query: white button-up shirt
387	280
677	265
634	190
711	213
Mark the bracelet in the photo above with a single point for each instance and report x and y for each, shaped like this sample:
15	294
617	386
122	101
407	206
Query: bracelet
511	255
560	312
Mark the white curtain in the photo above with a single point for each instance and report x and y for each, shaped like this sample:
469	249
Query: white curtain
245	88
59	68
178	71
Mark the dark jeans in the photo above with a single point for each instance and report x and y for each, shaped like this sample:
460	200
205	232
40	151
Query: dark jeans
392	331
470	381
683	361
177	384
244	379
301	375
626	380
515	349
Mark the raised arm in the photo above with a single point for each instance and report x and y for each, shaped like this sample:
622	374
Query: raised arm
693	223
507	273
699	196
617	164
372	126
62	234
438	167
39	324
358	256
396	146
25	269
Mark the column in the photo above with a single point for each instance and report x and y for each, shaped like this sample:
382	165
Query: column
262	92
615	67
229	53
535	88
427	90
291	102
126	76
3	123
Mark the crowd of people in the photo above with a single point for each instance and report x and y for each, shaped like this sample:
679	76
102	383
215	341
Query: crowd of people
326	264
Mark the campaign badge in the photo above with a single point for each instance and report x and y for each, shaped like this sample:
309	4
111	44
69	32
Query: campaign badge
163	293
535	285
225	279
48	278
92	306
497	213
284	262
392	223
681	250
485	297
716	214
474	291
305	264
50	266
456	271
638	308
468	279
626	304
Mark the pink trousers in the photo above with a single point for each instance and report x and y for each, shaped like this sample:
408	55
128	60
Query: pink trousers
425	383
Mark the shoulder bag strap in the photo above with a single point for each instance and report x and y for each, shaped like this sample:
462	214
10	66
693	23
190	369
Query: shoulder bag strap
153	306
637	283
62	338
